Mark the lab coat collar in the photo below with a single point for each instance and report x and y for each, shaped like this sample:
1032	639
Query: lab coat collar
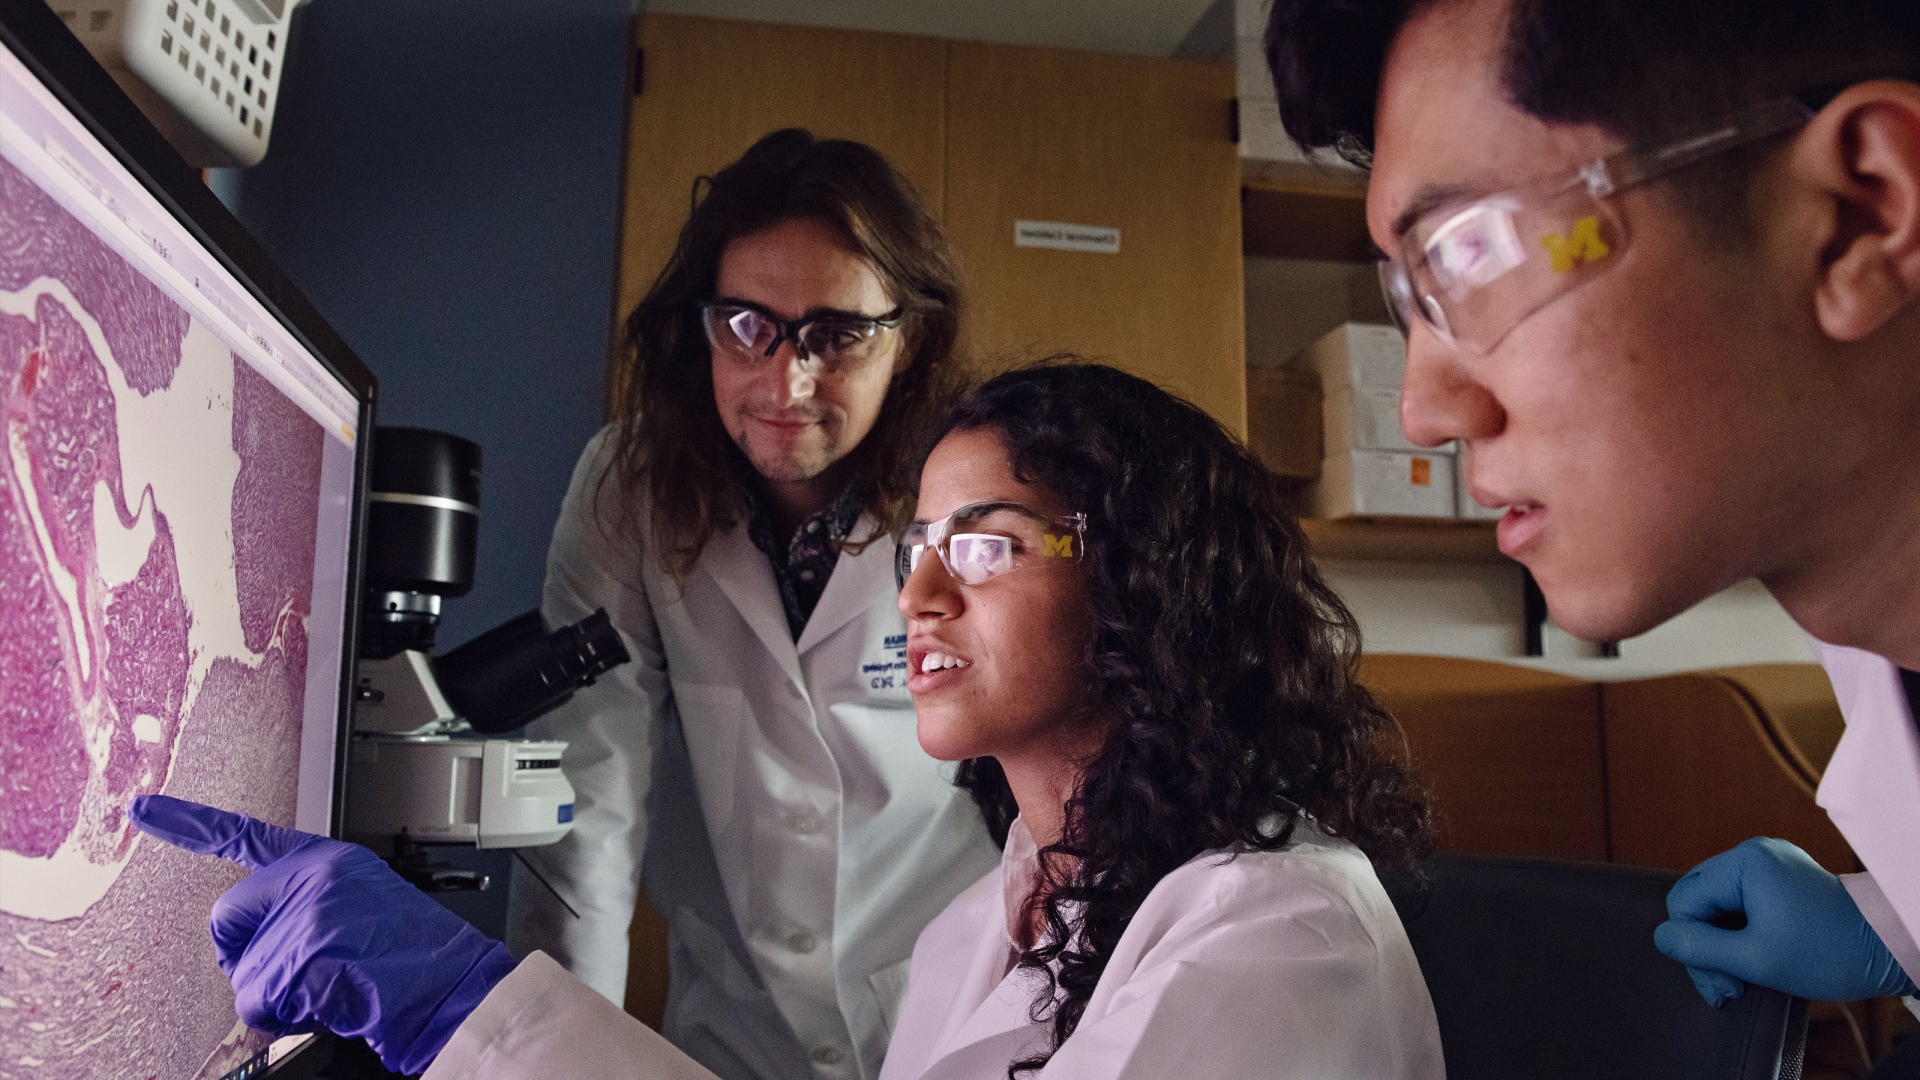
858	583
746	578
1001	1029
1872	785
1019	872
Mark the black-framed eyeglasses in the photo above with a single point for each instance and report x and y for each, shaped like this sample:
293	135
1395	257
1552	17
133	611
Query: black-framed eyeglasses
1471	270
749	335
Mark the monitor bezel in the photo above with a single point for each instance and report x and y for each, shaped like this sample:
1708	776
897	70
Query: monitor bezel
51	52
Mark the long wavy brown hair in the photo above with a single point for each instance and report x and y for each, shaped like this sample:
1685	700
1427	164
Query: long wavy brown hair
671	451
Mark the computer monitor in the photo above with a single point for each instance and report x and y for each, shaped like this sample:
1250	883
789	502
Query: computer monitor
181	488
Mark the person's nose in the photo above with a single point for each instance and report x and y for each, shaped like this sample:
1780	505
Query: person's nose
798	375
1440	399
930	593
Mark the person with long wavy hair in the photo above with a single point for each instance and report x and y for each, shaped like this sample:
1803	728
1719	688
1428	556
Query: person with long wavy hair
755	768
1159	718
676	464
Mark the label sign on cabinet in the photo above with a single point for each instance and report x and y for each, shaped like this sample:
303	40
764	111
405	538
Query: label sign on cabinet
1058	234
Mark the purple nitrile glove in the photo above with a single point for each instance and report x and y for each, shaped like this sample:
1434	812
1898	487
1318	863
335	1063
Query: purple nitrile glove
325	935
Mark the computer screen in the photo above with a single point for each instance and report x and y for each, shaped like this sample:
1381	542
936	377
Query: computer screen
179	496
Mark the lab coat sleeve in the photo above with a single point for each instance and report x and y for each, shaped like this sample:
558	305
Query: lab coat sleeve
1886	923
611	730
1264	983
541	1023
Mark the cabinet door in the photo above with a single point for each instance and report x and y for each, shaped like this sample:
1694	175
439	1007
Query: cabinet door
1137	143
711	87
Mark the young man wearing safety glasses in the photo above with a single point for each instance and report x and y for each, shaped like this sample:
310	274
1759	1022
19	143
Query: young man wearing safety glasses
1659	262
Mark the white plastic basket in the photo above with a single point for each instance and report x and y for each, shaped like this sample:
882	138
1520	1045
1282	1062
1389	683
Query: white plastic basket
207	72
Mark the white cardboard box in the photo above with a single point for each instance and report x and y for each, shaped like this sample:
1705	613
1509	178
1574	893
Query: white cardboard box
1359	355
1464	506
1385	483
1367	418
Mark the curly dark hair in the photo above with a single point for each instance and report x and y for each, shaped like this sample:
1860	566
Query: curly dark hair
1230	667
671	446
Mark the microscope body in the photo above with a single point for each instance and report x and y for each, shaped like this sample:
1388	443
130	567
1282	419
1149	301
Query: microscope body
487	793
422	768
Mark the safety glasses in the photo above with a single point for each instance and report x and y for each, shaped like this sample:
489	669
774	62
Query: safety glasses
749	336
981	541
1471	271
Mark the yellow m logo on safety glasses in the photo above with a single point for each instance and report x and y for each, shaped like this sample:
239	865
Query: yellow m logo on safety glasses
1583	245
1057	547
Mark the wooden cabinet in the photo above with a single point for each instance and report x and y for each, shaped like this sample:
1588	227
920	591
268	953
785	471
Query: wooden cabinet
710	88
1140	144
990	134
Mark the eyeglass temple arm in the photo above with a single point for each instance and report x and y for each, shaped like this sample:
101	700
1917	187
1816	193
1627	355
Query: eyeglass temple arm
1630	167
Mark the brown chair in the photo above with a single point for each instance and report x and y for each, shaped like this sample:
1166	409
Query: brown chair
1698	762
1515	756
1660	772
1797	701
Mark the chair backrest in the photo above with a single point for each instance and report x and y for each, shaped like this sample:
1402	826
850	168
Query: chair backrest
1698	762
1515	756
1545	969
1663	772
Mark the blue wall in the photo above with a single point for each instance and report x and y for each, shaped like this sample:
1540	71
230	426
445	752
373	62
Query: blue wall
444	182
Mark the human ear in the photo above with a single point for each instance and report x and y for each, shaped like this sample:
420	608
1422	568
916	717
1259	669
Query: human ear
1862	152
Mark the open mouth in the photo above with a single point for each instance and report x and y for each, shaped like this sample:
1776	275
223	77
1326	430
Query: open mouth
933	668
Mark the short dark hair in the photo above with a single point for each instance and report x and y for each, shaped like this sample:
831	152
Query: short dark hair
1645	71
1231	666
671	448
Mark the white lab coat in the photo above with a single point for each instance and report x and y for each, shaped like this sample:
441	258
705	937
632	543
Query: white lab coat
1871	790
792	831
1269	965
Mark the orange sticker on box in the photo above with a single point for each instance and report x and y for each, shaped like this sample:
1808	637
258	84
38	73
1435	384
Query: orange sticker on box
1422	472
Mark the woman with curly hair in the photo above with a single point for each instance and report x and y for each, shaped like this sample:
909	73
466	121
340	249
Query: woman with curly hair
1114	628
1158	716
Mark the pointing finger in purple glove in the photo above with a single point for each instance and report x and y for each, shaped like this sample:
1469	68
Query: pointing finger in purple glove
324	934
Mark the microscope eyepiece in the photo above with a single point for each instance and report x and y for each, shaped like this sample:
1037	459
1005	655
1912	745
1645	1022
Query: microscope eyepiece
519	670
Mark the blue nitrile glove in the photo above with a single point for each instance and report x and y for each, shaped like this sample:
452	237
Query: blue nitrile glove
1803	934
325	935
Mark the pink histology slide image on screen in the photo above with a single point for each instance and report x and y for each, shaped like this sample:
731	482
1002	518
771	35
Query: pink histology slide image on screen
158	503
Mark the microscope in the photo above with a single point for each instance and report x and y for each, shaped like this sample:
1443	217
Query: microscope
422	767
